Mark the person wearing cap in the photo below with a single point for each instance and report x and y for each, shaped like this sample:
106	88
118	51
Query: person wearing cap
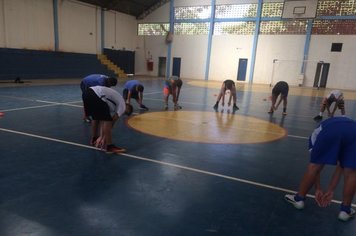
335	96
94	80
227	85
134	89
172	86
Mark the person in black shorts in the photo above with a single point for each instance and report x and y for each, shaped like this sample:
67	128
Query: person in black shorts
227	85
134	89
281	88
94	80
105	106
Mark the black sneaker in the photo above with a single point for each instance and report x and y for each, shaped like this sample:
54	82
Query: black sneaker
177	107
143	107
235	108
216	106
318	118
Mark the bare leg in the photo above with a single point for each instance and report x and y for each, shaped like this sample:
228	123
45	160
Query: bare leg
349	186
274	99
285	102
95	128
309	178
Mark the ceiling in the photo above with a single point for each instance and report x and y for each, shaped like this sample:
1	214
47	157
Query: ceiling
137	8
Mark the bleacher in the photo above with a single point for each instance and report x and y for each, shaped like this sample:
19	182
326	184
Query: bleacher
35	64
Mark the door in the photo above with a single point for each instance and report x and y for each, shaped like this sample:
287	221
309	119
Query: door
324	75
241	71
176	66
162	67
321	74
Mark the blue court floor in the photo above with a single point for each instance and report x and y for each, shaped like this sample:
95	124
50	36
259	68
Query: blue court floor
53	183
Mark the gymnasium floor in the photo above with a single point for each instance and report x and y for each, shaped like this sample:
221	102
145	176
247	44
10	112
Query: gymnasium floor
188	172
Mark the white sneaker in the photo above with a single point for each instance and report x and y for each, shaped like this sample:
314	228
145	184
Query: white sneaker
344	216
290	198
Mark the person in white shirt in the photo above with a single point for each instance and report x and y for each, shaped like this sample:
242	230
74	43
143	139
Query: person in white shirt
334	96
105	106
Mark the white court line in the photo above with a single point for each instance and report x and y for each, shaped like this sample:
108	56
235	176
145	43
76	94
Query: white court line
296	136
60	103
72	105
168	164
47	138
26	108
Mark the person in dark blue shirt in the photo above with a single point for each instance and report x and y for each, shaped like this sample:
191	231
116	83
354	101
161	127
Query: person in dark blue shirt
95	80
134	89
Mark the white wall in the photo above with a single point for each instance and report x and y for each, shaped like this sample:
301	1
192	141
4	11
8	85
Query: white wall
120	31
225	54
26	24
192	50
78	27
29	24
2	24
287	49
342	64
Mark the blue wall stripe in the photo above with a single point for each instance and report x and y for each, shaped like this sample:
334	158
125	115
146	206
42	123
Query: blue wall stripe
210	39
55	25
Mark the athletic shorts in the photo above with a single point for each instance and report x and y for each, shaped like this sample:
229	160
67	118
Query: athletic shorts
280	88
340	104
228	84
125	94
333	141
167	91
95	107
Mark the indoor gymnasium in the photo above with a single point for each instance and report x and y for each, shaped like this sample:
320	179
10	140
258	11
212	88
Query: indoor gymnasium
242	122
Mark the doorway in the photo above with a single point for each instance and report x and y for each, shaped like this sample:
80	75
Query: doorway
176	66
162	61
241	71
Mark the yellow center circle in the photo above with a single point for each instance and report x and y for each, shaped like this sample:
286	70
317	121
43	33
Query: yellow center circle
206	127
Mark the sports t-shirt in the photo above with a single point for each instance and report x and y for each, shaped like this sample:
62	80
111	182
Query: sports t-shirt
114	100
131	85
93	80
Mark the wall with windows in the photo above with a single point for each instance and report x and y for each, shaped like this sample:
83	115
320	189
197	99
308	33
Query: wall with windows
280	44
277	45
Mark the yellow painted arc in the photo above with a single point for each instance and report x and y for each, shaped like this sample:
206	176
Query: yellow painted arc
206	127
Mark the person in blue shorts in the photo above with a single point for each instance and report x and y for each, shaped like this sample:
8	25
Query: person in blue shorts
134	89
94	80
332	143
280	89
